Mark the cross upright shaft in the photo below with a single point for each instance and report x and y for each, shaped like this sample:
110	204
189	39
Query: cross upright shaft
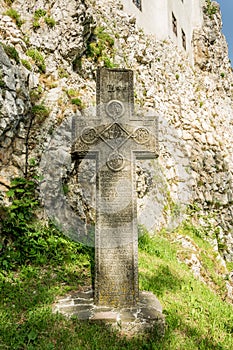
116	138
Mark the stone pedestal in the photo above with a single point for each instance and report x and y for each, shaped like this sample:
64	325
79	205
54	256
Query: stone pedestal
144	317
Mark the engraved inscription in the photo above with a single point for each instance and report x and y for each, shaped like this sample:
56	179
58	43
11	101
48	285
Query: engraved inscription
114	88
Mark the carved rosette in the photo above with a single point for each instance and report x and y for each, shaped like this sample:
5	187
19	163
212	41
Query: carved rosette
89	135
115	109
115	161
141	135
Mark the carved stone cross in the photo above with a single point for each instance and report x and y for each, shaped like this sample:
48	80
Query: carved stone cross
115	139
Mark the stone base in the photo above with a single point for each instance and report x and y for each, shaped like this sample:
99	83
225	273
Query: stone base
144	317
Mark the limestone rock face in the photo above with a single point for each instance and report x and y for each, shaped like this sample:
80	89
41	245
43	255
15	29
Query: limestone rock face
66	36
193	103
14	110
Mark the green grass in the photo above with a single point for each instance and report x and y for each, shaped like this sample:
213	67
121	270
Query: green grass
15	16
196	316
38	58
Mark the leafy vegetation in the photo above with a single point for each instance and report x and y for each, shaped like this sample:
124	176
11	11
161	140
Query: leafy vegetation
26	64
41	13
38	264
35	94
11	52
100	47
74	99
15	16
210	9
40	112
38	59
50	21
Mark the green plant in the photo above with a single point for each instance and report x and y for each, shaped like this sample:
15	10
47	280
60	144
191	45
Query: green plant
36	24
222	75
177	76
201	103
11	52
38	58
26	64
76	101
62	73
40	112
71	92
35	94
15	16
210	9
100	47
50	21
39	13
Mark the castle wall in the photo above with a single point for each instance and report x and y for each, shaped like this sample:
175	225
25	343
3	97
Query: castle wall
157	17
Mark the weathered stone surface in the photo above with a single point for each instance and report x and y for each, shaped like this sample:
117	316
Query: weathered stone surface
115	138
133	321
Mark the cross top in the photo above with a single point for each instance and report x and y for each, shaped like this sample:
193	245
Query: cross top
116	126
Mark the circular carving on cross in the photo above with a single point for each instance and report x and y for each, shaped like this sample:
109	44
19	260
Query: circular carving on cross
141	135
115	161
115	109
89	135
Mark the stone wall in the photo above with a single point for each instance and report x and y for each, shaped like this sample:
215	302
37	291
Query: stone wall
193	104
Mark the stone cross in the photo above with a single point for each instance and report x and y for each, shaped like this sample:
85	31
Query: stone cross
115	139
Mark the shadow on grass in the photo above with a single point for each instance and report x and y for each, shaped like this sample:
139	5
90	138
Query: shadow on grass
163	280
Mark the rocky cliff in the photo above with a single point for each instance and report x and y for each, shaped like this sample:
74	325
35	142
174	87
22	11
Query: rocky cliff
49	53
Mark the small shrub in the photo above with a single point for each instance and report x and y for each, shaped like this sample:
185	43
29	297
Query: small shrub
222	75
26	64
76	101
37	58
15	16
35	94
71	92
50	21
40	112
62	73
210	9
36	24
11	52
108	63
39	13
100	47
